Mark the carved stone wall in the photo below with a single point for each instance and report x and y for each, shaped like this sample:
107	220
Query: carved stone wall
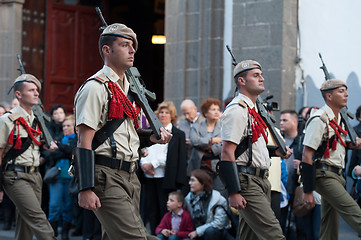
265	31
10	44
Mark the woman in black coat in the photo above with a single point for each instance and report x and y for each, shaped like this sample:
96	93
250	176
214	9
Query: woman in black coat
164	166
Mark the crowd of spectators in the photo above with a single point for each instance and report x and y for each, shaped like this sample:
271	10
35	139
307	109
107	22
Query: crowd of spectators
183	194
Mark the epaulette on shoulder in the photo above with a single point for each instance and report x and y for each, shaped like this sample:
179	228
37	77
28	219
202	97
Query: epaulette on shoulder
14	116
324	117
102	78
242	103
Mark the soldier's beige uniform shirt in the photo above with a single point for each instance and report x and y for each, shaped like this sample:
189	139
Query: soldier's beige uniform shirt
315	132
31	156
234	124
91	109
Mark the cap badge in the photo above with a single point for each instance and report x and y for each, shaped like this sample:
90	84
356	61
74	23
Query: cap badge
245	65
113	28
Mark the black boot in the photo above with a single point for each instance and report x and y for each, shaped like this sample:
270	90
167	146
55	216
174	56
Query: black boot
54	225
7	219
65	231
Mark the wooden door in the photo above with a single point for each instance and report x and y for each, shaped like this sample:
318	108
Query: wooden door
72	56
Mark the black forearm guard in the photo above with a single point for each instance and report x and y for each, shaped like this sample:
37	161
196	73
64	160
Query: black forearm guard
272	150
84	168
228	173
308	175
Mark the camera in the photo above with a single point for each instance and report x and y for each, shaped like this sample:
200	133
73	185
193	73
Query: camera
270	106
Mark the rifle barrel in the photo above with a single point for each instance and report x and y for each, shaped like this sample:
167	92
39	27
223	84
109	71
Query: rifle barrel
101	17
233	58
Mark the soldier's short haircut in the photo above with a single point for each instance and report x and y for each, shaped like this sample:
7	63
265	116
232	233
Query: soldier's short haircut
325	92
19	86
105	40
241	74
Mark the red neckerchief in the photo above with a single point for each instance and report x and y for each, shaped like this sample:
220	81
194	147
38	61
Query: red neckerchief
120	104
31	132
337	128
258	125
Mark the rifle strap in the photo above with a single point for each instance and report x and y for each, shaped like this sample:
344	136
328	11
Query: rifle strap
245	144
26	142
322	148
108	129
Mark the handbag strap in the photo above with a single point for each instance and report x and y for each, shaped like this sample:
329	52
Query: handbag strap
225	210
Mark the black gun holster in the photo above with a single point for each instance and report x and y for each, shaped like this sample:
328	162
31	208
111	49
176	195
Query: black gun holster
84	160
228	172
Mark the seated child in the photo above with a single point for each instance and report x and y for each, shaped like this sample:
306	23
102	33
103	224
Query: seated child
177	223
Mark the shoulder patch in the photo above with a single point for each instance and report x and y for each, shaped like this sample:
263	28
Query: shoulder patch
324	117
14	116
101	78
242	103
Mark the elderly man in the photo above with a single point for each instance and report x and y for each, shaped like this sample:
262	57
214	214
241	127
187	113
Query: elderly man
191	114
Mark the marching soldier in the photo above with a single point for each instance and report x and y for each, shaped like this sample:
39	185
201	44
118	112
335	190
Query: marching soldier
245	176
19	156
112	190
323	162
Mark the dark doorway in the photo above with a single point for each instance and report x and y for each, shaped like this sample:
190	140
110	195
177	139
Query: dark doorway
71	44
146	18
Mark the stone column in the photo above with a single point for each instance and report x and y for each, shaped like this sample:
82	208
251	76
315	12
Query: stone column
10	44
266	31
194	50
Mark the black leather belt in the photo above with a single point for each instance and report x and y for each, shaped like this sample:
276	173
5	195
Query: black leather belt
129	167
21	168
258	172
327	167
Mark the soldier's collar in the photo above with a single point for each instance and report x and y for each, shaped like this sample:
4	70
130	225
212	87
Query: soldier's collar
247	100
331	114
110	74
27	116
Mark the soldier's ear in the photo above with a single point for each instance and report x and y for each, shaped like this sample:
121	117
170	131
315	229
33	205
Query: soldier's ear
18	94
106	49
329	96
241	81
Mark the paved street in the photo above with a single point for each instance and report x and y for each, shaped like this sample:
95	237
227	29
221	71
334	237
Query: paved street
345	233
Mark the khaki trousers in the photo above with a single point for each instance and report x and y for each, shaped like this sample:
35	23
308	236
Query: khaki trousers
335	201
119	194
257	220
24	189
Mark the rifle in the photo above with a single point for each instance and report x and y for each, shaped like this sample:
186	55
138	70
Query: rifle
21	66
270	120
345	114
266	117
140	93
324	68
38	111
